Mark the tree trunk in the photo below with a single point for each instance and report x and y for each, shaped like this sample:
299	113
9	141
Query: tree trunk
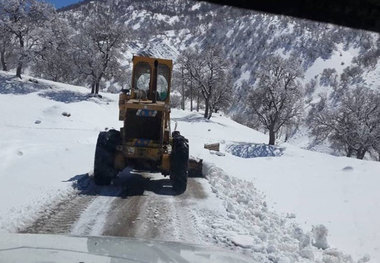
191	94
183	91
19	69
361	153
198	101
206	115
3	62
93	88
19	64
209	114
97	84
349	152
272	137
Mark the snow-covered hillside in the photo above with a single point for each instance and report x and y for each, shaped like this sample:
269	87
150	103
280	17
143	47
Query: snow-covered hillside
247	38
264	206
166	28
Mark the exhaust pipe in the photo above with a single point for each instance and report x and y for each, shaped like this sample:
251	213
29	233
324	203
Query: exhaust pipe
154	81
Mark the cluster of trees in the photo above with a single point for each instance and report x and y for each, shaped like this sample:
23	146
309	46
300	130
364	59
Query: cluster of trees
349	118
23	24
34	36
205	75
351	124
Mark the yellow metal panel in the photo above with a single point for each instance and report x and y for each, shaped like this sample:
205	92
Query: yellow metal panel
132	104
165	162
121	113
142	153
122	98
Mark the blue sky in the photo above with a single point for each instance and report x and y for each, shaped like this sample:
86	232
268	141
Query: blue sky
61	3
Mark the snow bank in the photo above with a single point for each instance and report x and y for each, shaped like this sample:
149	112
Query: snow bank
48	134
250	227
313	188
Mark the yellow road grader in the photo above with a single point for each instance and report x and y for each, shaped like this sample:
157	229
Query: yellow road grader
145	141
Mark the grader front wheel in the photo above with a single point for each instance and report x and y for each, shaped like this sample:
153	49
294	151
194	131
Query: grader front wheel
179	162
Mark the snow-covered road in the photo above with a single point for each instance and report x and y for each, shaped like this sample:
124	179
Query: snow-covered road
140	205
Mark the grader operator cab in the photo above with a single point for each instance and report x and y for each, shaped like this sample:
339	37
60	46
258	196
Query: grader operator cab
145	141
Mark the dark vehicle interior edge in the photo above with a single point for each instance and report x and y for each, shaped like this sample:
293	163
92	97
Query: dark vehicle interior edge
359	14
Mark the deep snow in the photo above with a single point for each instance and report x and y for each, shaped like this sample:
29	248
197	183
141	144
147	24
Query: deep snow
41	150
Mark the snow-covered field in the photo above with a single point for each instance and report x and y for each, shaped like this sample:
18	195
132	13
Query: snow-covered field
265	206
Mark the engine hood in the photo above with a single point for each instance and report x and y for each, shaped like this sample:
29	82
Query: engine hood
58	248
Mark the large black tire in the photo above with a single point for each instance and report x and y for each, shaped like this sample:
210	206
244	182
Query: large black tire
179	160
104	170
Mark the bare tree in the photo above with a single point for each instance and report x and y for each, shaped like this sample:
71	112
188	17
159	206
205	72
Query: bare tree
353	125
54	61
207	71
26	21
277	98
222	94
6	48
97	46
183	89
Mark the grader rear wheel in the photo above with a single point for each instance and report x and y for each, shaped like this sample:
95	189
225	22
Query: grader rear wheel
179	162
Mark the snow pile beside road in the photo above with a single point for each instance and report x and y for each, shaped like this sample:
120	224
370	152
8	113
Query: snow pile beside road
253	150
251	228
48	135
313	188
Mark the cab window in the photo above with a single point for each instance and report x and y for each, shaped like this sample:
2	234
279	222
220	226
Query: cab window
142	77
163	73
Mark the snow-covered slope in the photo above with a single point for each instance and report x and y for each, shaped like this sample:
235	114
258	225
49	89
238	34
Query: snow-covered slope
246	38
166	28
264	206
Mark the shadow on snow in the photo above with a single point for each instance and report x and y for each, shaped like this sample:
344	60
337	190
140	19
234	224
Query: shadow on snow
196	117
65	96
13	85
127	183
254	150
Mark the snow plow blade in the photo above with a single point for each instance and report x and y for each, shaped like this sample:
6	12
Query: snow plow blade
195	167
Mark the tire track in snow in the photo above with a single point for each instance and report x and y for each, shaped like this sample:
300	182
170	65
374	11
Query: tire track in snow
156	213
73	213
157	216
61	217
92	220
